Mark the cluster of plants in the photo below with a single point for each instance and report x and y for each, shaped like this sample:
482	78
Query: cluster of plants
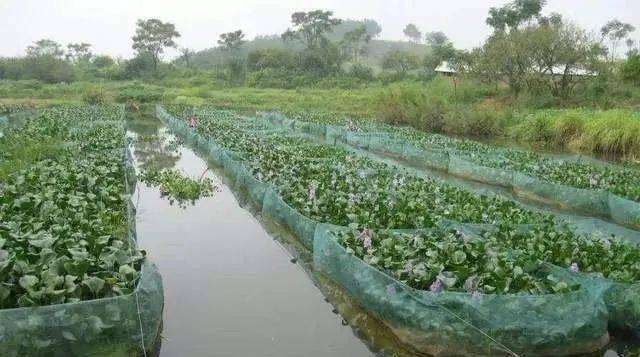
64	230
330	185
442	260
505	260
622	181
177	187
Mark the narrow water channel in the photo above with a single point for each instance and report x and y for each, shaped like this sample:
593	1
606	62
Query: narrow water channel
230	289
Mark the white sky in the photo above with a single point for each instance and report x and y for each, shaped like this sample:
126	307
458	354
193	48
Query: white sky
109	24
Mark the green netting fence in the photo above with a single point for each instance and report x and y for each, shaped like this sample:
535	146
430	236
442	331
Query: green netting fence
445	323
452	323
127	325
593	202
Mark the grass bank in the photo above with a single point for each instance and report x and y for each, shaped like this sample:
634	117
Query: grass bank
455	107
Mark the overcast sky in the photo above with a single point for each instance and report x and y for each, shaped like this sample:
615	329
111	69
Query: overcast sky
109	24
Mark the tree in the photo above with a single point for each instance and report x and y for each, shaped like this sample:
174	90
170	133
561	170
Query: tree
45	47
272	58
400	61
373	27
232	41
630	70
310	27
235	65
512	15
153	36
186	55
559	52
354	42
103	61
77	52
441	49
632	50
615	31
413	33
552	56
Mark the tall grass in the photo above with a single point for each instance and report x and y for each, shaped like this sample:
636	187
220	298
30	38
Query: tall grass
442	106
600	131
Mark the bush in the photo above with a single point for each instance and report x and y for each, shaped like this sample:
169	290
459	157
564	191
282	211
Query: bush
630	71
410	105
94	96
535	128
270	78
362	72
482	120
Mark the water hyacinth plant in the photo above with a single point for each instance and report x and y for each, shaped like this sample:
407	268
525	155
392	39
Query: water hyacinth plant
177	187
64	234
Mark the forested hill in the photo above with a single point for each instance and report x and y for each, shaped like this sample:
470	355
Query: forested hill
374	50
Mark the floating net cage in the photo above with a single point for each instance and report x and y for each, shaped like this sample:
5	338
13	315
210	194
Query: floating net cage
589	201
440	324
126	325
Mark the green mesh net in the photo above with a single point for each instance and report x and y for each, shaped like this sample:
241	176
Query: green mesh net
446	323
593	202
451	323
127	325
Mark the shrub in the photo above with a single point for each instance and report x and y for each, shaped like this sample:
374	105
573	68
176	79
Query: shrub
361	72
94	96
630	71
535	128
482	120
410	105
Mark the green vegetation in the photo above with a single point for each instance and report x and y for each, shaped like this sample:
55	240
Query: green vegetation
330	185
505	261
64	231
177	187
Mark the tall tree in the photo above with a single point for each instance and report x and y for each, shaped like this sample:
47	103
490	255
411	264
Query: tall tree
512	15
354	42
632	50
185	56
413	33
77	52
45	47
400	61
373	27
153	36
231	41
615	31
311	27
441	49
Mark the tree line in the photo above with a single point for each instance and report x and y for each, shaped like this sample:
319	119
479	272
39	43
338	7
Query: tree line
526	51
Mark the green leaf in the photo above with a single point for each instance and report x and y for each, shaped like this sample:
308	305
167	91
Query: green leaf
94	284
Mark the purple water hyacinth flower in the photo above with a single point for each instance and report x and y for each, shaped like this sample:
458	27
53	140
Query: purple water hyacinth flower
391	289
437	286
471	284
408	267
574	267
365	236
312	192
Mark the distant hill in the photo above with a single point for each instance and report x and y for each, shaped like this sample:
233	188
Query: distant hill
213	57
